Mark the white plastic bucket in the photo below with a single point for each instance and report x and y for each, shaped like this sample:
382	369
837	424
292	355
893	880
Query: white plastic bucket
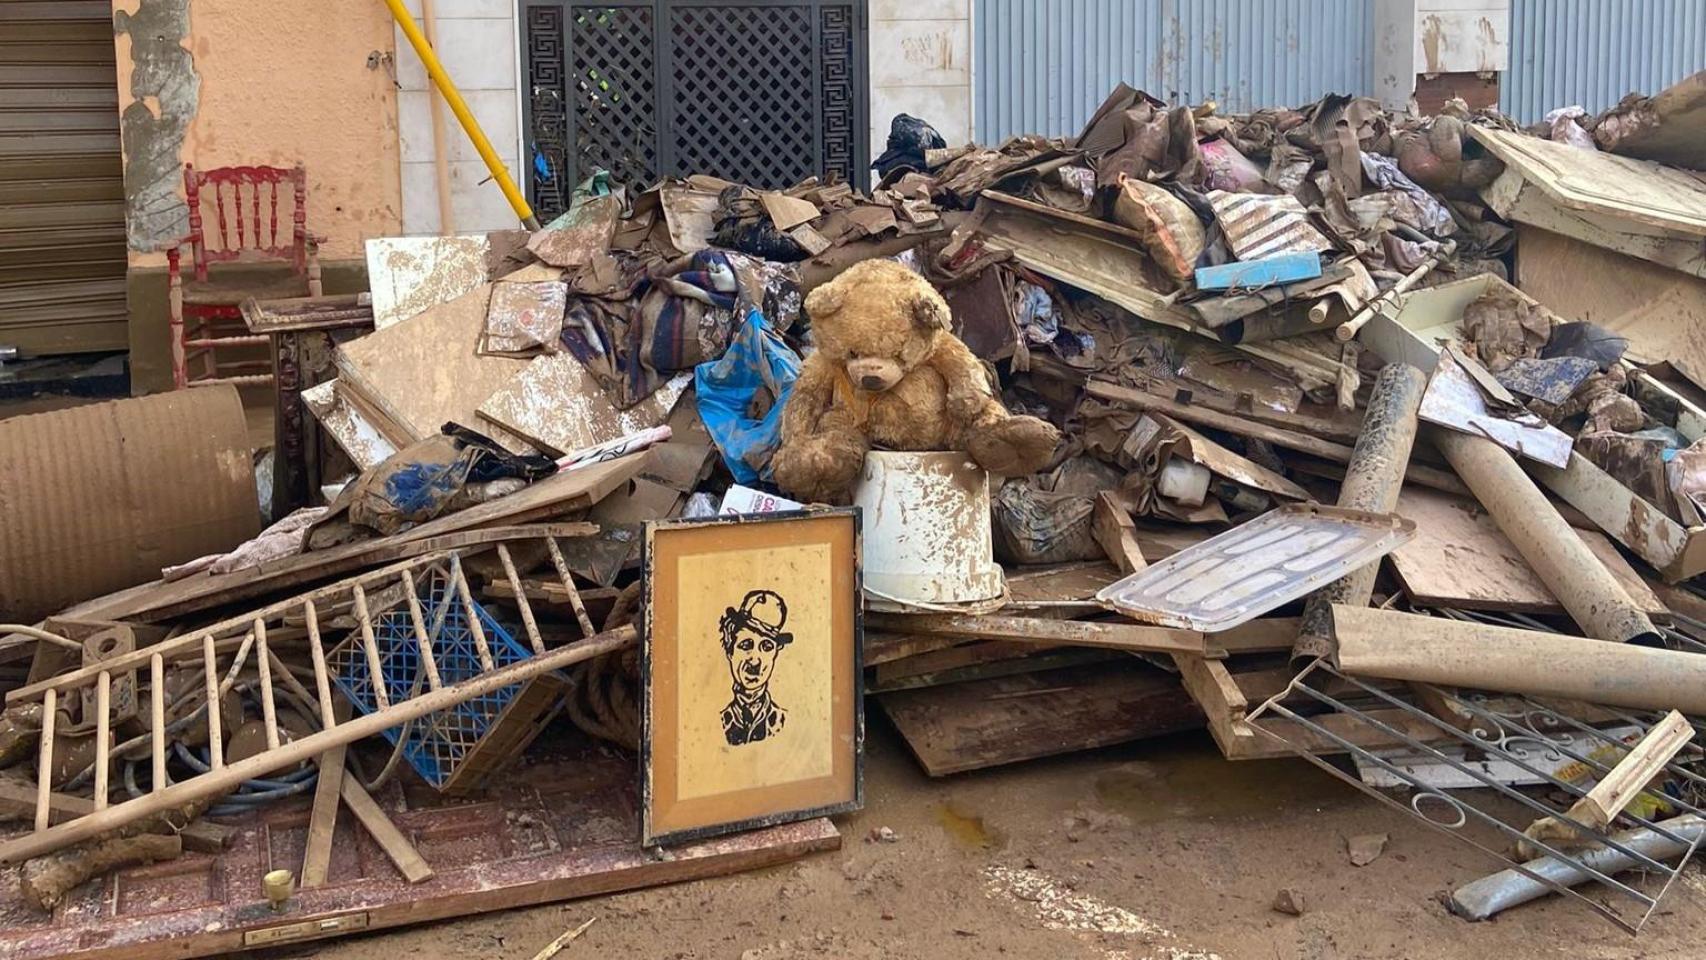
927	538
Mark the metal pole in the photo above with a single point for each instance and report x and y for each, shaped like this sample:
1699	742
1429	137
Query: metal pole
1563	562
1373	479
459	107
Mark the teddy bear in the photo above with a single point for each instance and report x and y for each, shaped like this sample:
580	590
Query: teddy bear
889	372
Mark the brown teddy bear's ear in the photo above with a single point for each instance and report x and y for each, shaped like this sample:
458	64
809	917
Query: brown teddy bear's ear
824	301
930	313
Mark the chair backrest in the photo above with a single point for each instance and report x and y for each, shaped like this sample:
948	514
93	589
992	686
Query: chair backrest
228	193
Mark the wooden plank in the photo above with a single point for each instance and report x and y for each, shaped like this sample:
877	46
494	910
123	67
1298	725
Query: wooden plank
558	406
323	821
423	372
397	847
1080	633
986	723
1117	535
1460	559
961	655
555	496
18	802
1231	423
1618	788
883	648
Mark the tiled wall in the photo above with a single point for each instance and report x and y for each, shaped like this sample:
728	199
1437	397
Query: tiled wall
477	45
920	56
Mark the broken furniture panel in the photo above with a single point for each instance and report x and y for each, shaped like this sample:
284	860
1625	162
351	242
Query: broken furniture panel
1631	206
561	828
303	335
557	405
1454	400
409	275
977	724
1256	567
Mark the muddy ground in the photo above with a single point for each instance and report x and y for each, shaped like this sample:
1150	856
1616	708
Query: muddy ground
1151	851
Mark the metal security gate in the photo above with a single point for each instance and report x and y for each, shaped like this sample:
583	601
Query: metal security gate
764	92
62	250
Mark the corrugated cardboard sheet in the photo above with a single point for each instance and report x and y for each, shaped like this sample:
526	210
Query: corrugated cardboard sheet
96	498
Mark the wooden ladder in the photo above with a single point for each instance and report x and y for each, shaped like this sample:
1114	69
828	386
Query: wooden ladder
224	648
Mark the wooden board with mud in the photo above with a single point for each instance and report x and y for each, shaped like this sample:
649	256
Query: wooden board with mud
423	372
988	723
557	405
1459	558
565	827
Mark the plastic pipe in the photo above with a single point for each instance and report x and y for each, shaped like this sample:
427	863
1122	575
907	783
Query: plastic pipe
1372	482
1480	899
459	107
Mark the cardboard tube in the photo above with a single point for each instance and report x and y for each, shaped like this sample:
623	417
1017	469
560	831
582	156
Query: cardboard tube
1372	481
1558	556
1406	646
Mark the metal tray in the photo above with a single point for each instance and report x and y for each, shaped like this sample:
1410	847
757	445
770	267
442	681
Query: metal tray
1251	569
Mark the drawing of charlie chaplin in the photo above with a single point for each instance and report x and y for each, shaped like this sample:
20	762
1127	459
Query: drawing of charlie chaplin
752	637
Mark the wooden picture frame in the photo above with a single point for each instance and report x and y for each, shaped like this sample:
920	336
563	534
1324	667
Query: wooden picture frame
751	666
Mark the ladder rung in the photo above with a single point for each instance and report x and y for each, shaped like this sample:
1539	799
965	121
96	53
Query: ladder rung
215	735
157	717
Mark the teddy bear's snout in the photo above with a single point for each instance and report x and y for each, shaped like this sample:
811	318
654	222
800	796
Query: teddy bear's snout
874	374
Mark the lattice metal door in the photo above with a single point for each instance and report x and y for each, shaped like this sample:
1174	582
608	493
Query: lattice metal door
760	91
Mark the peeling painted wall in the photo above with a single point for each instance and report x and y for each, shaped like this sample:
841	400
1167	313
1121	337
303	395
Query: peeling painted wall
158	94
224	83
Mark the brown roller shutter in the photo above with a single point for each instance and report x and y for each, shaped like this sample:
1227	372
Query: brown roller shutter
62	246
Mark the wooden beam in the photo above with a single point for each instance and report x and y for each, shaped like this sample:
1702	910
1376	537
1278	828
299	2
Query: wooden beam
1077	633
1113	528
1617	789
18	802
323	822
397	847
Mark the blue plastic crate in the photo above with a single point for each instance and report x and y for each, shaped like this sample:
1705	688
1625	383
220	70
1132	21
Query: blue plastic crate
440	744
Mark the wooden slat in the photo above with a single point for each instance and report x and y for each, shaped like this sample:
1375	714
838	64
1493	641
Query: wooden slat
422	637
157	718
263	663
323	821
44	769
397	847
1117	636
569	586
322	682
370	647
470	611
215	735
103	738
527	621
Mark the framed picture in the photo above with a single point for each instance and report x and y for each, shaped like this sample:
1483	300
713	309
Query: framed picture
753	713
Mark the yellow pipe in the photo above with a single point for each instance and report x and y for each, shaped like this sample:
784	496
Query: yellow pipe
459	107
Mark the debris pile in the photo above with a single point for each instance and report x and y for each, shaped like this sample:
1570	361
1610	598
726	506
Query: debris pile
1371	438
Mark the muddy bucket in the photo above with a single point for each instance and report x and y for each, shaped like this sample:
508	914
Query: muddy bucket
926	530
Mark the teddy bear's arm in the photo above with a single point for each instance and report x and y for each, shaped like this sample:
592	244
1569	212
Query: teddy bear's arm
813	392
970	396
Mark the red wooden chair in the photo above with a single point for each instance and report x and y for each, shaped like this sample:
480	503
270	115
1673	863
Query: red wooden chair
205	309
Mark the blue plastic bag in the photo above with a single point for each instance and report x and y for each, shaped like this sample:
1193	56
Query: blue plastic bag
756	359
